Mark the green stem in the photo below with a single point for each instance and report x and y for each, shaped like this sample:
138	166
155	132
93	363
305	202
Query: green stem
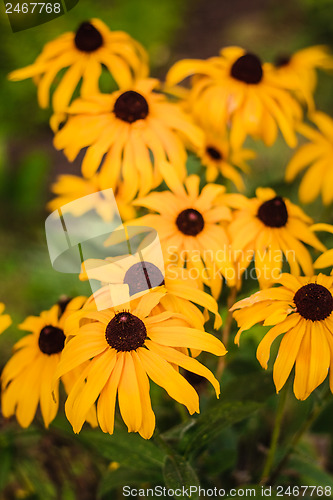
226	330
313	415
275	436
163	444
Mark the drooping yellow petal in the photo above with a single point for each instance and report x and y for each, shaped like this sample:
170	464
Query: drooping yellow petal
264	347
27	401
287	354
186	362
129	395
163	374
148	417
99	371
107	400
49	397
319	358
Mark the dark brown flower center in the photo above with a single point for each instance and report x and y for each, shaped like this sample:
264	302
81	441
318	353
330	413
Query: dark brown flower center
314	302
131	106
273	213
142	276
214	153
88	38
282	60
190	222
125	332
247	68
51	340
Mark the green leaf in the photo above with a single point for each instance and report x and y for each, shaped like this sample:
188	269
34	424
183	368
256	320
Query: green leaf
221	455
310	474
120	477
240	398
179	474
128	449
210	423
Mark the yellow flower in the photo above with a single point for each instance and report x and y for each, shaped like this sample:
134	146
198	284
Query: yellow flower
299	70
191	228
326	258
236	88
69	188
219	157
301	309
5	319
126	346
136	129
27	378
317	154
266	228
84	53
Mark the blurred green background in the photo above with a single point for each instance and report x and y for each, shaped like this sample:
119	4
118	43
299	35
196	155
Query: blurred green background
169	30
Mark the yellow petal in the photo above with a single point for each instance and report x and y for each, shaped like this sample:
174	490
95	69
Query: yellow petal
187	337
49	397
97	376
263	351
320	356
186	362
287	354
324	260
163	374
302	367
107	400
148	417
79	349
129	395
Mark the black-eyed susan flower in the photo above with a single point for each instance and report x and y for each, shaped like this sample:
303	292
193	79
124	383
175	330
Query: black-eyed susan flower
219	157
69	188
317	156
326	258
27	378
301	310
5	319
267	228
84	53
298	70
126	346
237	89
136	128
191	227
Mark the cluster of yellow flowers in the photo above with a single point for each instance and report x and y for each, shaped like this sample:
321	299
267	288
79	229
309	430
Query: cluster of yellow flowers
135	138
